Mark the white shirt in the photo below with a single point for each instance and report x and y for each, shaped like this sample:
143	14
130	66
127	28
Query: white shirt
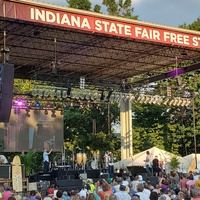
4	159
123	195
149	160
146	191
143	196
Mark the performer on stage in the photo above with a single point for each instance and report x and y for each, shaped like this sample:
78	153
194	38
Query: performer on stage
148	163
23	153
46	160
111	163
106	155
156	168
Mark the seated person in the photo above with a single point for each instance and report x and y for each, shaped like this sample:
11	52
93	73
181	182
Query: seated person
3	159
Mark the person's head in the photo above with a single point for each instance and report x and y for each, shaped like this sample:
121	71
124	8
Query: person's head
191	177
32	193
135	197
196	192
45	149
122	188
59	193
181	196
147	152
90	196
140	187
22	151
12	197
153	196
112	197
105	187
5	185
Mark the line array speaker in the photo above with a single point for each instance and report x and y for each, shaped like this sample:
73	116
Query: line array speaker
6	90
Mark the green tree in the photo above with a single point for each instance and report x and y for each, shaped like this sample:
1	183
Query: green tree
121	8
83	4
97	8
193	26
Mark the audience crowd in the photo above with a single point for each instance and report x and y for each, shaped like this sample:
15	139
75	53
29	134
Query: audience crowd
171	186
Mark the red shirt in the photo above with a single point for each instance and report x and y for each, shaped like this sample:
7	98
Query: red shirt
102	193
50	191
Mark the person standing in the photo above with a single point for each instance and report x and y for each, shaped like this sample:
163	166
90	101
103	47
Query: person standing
46	160
23	153
148	163
156	168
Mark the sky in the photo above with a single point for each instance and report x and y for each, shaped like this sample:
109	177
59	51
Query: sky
165	12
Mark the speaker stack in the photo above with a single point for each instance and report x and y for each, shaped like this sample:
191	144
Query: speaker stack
6	90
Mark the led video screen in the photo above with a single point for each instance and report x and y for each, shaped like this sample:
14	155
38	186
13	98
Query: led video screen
33	130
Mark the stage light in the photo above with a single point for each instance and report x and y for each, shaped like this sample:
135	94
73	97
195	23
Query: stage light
40	92
18	103
147	99
151	100
117	97
72	94
27	112
52	93
64	94
53	114
166	101
88	95
142	99
48	105
46	93
99	96
171	102
179	102
34	92
37	104
58	93
82	82
16	110
175	102
132	97
188	102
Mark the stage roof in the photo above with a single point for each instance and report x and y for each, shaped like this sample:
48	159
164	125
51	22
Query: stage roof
59	44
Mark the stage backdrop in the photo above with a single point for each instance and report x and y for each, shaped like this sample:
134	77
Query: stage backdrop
35	130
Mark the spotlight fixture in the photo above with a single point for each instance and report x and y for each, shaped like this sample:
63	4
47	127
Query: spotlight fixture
46	112
166	101
52	93
61	112
37	104
188	102
147	99
46	93
53	114
171	102
64	94
40	92
82	82
58	93
179	102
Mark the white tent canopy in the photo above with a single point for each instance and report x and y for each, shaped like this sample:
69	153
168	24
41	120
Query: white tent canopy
138	159
190	163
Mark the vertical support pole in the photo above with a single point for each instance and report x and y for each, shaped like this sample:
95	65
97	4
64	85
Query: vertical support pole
126	129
